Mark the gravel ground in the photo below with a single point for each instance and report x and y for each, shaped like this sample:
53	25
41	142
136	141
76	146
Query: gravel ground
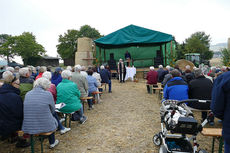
125	122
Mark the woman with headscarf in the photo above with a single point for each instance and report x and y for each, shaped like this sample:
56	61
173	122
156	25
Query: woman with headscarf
57	78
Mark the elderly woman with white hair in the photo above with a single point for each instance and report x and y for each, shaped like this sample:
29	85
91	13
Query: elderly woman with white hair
53	91
188	75
26	81
68	93
83	71
11	69
152	78
52	88
39	108
69	68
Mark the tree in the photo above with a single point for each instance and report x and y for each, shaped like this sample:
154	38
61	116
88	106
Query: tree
225	56
180	51
68	42
87	31
199	42
7	43
27	47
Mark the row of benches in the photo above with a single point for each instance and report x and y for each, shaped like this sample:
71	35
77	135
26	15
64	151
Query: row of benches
42	136
157	88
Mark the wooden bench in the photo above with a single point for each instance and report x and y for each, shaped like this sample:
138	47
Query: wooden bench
68	115
84	100
103	84
214	133
161	95
96	93
41	137
100	87
151	86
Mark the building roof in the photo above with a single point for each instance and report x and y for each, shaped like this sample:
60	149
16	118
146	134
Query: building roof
49	57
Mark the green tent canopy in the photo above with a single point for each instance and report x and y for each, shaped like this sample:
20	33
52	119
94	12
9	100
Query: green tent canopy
147	47
133	35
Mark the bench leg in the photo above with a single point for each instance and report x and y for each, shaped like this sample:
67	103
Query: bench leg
151	89
32	143
41	139
65	119
220	144
83	105
69	120
213	143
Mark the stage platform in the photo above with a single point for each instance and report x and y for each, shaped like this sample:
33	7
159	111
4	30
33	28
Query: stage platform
140	72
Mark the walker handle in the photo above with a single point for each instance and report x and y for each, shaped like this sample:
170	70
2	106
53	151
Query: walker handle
193	100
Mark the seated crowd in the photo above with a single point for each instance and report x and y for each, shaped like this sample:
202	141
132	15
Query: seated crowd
28	96
196	83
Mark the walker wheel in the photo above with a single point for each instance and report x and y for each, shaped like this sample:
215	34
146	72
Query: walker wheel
157	140
202	151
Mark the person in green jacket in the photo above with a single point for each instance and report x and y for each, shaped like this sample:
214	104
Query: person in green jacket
68	93
25	80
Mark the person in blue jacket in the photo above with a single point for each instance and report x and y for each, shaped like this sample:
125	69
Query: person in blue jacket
56	77
106	77
220	105
11	109
176	88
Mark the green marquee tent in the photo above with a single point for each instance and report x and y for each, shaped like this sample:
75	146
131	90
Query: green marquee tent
145	46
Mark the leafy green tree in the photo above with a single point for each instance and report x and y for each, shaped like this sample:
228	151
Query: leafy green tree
199	42
27	47
87	31
225	56
180	51
68	42
7	43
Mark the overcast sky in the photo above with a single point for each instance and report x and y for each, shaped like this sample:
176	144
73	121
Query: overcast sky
47	19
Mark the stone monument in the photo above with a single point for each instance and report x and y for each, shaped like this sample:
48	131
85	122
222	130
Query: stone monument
84	54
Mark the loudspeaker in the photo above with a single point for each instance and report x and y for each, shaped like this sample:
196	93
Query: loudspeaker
111	56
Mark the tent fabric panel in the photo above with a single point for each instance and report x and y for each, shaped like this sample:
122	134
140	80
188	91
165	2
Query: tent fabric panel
134	34
143	56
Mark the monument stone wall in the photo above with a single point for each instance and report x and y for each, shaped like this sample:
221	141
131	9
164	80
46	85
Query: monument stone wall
84	54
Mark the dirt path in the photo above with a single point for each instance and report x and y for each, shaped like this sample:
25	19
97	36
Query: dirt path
124	122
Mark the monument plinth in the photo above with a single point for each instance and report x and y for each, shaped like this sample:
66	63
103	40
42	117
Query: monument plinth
84	54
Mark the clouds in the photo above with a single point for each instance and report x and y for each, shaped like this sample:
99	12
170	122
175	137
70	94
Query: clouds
49	18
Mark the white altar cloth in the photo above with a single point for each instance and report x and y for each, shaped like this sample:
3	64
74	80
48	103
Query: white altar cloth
130	73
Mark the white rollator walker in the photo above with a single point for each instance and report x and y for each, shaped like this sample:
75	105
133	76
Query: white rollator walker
176	121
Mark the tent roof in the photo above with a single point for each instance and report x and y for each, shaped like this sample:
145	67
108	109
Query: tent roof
133	35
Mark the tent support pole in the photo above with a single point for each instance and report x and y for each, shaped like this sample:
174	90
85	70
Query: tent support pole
104	56
165	54
100	55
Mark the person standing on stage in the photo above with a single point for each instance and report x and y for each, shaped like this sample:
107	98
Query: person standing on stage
121	70
127	57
